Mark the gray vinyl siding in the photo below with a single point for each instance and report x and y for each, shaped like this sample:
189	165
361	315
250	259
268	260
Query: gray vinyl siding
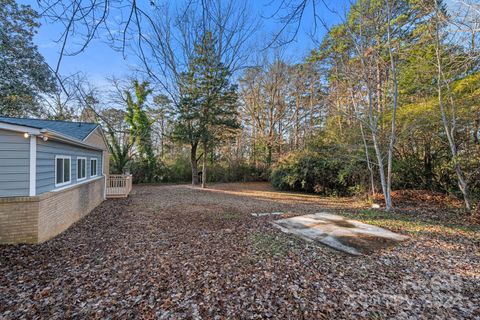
46	152
14	164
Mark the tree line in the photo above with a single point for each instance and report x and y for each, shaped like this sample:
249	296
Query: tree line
388	99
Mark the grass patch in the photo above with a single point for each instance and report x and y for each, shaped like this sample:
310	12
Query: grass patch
228	216
269	244
411	224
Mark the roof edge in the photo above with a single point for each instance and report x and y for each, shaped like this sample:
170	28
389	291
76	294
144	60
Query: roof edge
68	121
91	132
47	125
19	128
49	133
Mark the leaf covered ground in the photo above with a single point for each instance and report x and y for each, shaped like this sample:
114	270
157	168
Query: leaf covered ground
176	252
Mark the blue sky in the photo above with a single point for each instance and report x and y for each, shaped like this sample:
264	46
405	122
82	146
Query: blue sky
99	60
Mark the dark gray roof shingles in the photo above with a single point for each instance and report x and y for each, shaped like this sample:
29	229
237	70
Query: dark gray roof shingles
77	130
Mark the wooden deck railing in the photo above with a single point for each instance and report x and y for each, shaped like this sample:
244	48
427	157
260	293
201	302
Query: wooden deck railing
119	185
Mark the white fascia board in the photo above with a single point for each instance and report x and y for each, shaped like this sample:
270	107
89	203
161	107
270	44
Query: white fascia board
17	128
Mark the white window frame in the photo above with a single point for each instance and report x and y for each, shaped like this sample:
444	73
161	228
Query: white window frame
70	171
85	159
96	167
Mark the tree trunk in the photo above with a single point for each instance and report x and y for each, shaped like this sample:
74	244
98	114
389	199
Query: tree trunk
254	146
449	130
365	145
381	170
373	123
193	161
297	123
204	169
393	133
476	128
269	154
428	166
369	164
162	133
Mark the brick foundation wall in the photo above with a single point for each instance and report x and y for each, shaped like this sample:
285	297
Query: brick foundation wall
37	219
19	219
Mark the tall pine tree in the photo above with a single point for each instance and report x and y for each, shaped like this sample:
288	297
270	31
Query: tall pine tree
208	103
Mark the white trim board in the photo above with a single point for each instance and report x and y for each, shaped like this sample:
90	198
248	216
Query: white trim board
33	166
103	174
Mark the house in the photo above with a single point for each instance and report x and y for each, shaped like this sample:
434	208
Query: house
52	173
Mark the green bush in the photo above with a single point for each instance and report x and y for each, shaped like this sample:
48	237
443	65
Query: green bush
144	171
235	172
324	172
178	170
413	173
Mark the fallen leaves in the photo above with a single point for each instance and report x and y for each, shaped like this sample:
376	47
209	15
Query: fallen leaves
174	252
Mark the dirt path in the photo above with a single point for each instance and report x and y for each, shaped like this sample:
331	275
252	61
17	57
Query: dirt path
174	252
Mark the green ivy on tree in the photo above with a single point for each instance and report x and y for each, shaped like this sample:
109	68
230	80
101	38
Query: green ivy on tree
141	126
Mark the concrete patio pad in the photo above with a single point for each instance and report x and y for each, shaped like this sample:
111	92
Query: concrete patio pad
350	236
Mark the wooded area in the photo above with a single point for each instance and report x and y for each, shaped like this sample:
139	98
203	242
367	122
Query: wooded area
387	101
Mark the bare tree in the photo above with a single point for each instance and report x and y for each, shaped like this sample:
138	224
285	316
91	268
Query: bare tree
264	90
392	54
165	48
448	109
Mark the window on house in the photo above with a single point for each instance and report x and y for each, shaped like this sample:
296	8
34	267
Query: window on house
81	168
62	170
93	167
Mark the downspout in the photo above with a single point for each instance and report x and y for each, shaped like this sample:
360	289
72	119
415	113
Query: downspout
104	176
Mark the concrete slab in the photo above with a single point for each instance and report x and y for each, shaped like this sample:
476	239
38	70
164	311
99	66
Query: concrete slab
350	236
